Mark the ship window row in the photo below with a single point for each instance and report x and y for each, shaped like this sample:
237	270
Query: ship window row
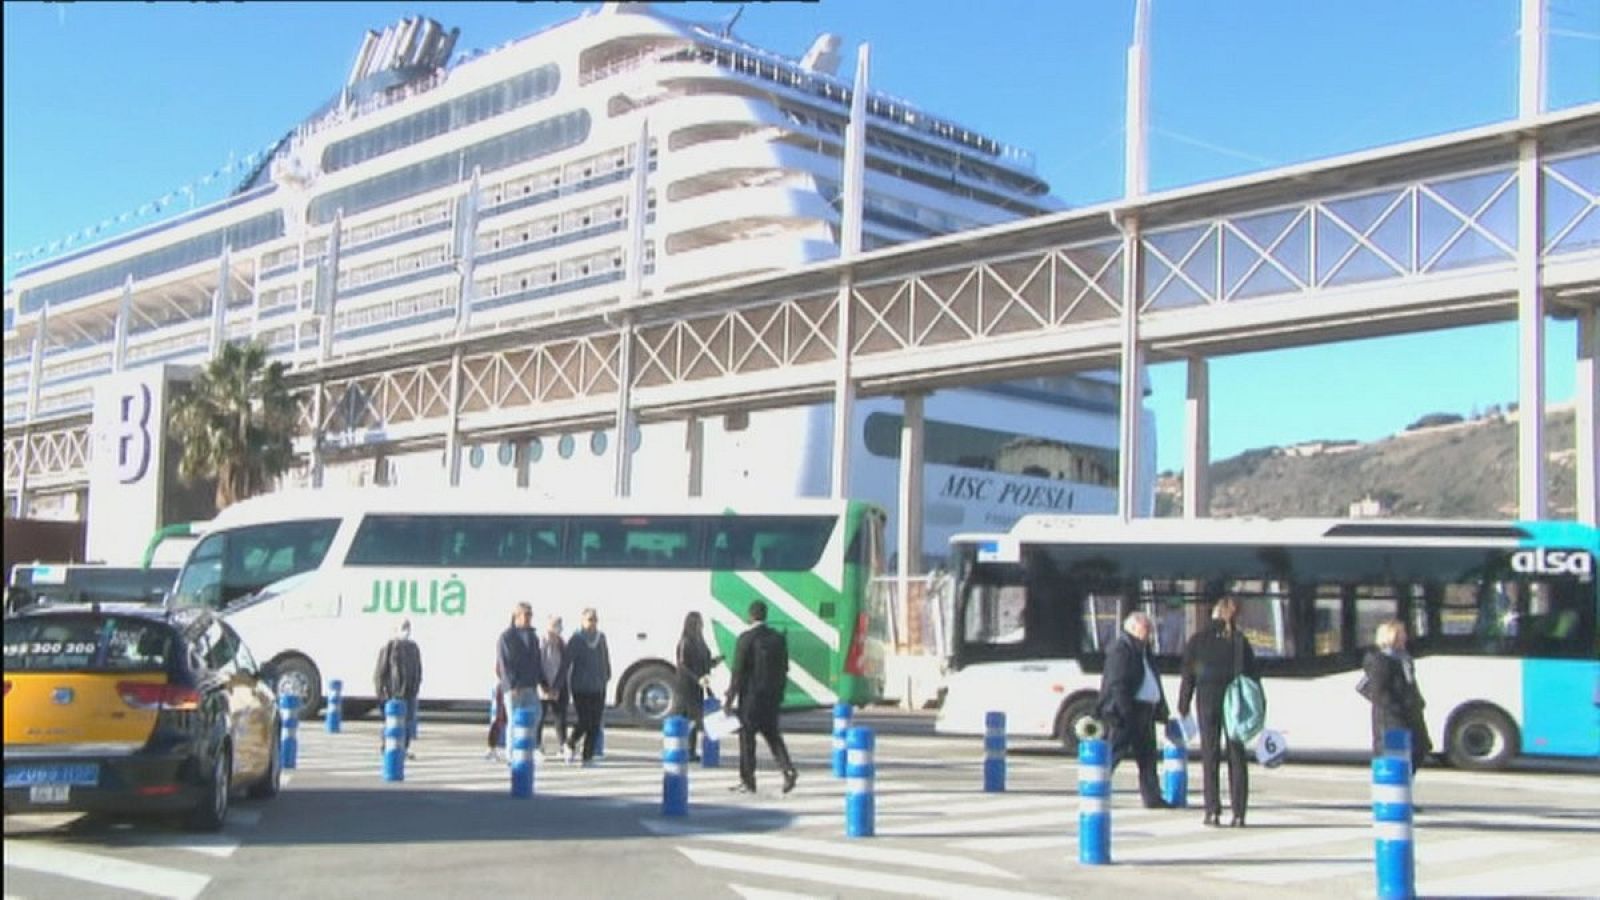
836	92
934	220
442	118
550	273
540	139
389	268
356	235
202	248
283	296
950	444
577	171
276	259
573	220
395	310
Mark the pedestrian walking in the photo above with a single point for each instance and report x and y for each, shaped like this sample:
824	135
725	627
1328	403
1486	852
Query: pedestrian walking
552	655
694	678
1131	702
497	720
588	670
398	676
1213	657
760	674
518	663
1389	681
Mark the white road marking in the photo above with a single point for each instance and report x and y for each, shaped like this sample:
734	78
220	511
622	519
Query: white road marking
1568	876
1427	853
160	881
842	876
218	845
916	859
753	893
1229	843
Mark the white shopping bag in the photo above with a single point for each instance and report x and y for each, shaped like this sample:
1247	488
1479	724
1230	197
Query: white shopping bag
720	725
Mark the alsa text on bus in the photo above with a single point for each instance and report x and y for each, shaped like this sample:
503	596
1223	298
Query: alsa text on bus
448	598
1553	562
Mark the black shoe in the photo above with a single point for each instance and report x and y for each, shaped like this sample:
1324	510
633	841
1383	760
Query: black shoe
789	778
1213	819
694	757
1236	822
1157	804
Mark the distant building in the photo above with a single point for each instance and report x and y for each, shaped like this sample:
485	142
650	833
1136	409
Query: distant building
1368	507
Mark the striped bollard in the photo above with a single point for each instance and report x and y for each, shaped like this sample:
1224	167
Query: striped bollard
994	752
1391	827
841	725
1175	775
1094	803
675	766
860	806
335	714
1397	744
394	750
710	747
522	725
289	730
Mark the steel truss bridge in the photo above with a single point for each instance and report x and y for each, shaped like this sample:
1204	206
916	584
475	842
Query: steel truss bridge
1492	224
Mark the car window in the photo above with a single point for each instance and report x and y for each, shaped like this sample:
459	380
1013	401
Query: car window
241	653
87	643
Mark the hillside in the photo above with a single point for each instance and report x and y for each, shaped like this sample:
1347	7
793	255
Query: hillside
1459	470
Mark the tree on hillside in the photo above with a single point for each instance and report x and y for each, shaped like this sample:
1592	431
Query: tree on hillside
235	423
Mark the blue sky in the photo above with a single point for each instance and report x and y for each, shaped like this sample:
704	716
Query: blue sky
113	106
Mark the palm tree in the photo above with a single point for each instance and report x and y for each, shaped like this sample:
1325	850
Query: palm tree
235	423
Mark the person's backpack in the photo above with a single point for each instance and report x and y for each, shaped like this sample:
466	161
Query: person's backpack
769	664
1244	703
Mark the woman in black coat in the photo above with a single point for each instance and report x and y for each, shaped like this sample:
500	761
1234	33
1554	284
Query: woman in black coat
1389	680
694	669
1211	659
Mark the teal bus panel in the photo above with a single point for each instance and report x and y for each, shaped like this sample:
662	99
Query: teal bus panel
1561	707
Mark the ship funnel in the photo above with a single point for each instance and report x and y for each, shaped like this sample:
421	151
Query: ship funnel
823	57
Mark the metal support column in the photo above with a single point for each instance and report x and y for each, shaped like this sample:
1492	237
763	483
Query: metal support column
694	445
1131	406
622	454
1530	287
255	300
853	200
467	249
318	393
1197	442
1586	398
452	435
908	533
326	301
119	339
219	303
36	364
21	510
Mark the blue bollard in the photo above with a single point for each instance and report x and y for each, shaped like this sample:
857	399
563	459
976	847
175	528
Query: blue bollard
289	729
1397	744
860	805
675	766
710	747
1391	827
1175	775
335	714
600	737
994	752
841	725
394	749
1094	803
522	725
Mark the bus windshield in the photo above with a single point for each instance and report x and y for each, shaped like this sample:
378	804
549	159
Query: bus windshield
229	565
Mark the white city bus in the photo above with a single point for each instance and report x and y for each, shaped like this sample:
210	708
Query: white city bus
1502	618
317	581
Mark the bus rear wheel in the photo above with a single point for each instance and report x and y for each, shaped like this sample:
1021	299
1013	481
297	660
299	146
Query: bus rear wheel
1481	737
650	694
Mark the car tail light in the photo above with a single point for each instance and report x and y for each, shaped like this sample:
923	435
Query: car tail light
145	695
854	661
8	688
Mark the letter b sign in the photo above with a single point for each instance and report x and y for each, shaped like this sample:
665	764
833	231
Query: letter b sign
131	434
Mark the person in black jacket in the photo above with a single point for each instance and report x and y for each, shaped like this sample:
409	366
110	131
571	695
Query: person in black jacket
760	673
694	676
518	662
1390	682
398	676
1131	702
1211	659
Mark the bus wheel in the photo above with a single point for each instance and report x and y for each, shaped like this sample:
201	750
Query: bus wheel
297	675
1075	711
650	694
1481	737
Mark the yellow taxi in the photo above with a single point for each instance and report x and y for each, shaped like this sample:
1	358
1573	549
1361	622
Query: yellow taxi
128	709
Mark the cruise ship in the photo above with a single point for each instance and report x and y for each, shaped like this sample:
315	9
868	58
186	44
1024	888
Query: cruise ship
436	196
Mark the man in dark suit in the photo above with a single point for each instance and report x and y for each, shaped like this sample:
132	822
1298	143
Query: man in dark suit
760	673
1131	702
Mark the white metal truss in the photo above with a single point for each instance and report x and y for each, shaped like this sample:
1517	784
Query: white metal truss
54	456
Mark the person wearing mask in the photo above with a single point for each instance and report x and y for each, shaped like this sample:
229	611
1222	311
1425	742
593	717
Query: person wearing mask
1131	702
398	676
588	669
1389	681
553	652
1214	656
760	674
694	677
518	663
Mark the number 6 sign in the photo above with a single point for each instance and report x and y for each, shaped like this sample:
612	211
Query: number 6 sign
1271	749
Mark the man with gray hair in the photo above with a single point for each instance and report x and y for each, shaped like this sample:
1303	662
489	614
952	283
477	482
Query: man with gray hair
398	676
1131	702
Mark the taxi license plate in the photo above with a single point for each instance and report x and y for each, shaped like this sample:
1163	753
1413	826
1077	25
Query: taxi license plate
32	776
49	793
